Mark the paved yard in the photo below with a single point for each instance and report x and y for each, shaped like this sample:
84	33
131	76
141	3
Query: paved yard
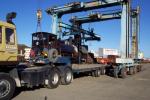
136	87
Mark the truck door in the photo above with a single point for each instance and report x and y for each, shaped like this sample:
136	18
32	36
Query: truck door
1	44
11	44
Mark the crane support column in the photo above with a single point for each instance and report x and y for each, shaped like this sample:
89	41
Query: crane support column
55	24
125	30
135	32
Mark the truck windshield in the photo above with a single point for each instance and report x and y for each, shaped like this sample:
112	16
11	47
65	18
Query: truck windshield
10	36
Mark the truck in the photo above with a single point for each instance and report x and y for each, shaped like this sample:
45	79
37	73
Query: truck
48	66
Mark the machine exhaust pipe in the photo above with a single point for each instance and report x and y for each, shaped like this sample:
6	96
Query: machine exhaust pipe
10	16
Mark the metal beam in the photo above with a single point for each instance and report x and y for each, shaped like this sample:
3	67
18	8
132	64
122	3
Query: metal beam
90	35
83	6
97	17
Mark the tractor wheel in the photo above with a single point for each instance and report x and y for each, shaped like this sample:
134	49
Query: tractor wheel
7	86
52	55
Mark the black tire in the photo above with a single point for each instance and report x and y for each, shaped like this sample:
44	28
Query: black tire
131	70
124	72
139	68
96	73
103	71
67	77
115	73
53	79
7	86
135	69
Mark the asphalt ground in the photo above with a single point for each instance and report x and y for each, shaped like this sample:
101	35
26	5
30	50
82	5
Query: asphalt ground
134	87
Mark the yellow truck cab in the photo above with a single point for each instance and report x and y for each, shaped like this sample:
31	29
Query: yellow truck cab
8	44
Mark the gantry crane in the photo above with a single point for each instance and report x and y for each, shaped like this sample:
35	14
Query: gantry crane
124	61
97	17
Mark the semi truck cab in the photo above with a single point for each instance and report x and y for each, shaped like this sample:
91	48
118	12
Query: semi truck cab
8	44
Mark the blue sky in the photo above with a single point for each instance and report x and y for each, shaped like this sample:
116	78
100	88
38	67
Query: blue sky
109	31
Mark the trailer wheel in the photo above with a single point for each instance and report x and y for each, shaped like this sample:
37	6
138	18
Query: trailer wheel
53	79
7	87
131	70
135	69
103	71
68	77
96	73
124	72
115	72
139	68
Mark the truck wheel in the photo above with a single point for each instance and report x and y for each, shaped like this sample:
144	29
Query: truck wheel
124	72
96	73
53	79
131	70
68	77
7	87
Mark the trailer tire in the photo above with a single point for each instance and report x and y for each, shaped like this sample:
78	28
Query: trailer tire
123	72
96	73
103	71
135	70
115	72
67	77
131	70
139	68
7	86
53	79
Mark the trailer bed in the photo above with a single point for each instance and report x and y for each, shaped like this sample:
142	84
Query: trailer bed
86	67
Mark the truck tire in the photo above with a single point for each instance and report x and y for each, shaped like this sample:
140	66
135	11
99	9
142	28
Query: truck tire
67	77
53	79
131	70
7	86
123	72
96	73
